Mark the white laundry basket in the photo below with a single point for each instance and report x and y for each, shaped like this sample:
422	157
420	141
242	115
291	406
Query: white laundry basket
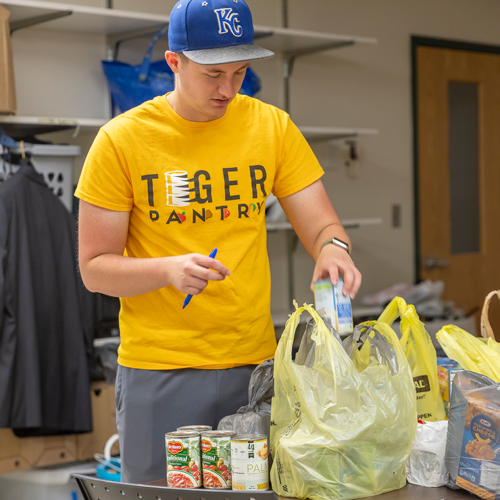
47	483
55	163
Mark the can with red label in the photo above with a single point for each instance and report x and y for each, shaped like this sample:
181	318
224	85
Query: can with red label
183	459
216	459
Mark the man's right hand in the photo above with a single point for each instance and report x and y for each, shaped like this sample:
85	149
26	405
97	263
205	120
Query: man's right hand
191	273
102	235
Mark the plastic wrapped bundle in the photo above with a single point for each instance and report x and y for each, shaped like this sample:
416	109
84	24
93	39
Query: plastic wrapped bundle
254	418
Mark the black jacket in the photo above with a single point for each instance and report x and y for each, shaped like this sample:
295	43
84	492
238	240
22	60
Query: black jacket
44	350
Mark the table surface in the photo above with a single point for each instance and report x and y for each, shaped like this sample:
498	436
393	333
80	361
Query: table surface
409	492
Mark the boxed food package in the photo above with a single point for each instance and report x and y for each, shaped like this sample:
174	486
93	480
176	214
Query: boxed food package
330	302
447	369
473	435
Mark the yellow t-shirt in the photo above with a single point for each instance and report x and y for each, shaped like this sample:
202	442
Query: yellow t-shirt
192	187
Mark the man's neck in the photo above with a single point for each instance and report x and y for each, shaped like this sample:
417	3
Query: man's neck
184	110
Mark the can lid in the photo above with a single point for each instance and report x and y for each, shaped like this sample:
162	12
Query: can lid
218	433
249	437
181	434
195	428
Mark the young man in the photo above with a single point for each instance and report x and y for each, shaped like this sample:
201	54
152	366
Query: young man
190	172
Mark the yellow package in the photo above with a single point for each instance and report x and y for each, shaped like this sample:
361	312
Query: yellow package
472	353
421	355
340	429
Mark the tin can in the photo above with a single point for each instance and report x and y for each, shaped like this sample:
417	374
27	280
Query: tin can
183	459
216	459
249	462
195	428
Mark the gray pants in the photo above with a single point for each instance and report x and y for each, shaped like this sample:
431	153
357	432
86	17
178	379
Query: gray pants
150	403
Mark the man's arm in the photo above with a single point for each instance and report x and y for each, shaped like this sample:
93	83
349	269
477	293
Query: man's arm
314	220
102	235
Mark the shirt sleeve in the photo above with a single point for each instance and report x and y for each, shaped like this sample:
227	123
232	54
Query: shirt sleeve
298	166
105	179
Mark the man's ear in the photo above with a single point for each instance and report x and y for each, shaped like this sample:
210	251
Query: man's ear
173	60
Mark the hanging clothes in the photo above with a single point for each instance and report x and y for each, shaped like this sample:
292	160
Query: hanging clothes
45	343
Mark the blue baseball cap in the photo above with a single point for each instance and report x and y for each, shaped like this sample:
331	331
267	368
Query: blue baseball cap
214	32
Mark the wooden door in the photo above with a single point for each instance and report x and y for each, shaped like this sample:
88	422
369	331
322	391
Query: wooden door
458	112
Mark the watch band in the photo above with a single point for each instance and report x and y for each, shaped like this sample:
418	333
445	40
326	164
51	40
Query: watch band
339	243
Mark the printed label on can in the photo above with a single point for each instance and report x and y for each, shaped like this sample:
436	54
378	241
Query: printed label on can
183	460
250	465
216	460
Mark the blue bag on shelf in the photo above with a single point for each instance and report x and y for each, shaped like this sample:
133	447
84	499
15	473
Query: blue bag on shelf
131	85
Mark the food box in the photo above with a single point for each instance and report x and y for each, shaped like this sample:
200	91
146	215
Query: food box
447	369
473	436
330	302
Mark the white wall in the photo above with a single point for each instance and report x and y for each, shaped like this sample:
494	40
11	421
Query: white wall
365	86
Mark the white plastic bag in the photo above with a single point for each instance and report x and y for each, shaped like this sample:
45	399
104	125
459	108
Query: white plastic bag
426	464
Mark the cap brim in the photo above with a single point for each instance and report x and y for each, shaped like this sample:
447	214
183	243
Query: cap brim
228	55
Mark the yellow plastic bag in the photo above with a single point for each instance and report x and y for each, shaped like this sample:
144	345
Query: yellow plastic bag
421	355
470	352
337	433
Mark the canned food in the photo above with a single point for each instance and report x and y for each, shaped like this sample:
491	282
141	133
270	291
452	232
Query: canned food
249	462
195	428
216	459
183	459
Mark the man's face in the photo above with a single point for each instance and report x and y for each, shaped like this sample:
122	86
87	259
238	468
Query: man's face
206	91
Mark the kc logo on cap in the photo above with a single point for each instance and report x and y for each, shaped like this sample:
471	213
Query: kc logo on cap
227	20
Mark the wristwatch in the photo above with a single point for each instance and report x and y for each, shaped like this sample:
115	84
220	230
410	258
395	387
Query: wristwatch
339	243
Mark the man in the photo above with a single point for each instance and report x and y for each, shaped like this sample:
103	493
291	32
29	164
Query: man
190	172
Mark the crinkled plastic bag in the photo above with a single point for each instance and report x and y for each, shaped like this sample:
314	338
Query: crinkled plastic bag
421	354
254	418
426	465
470	352
340	433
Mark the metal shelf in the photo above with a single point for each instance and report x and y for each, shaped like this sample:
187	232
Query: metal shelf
347	223
25	13
21	125
26	125
316	134
358	313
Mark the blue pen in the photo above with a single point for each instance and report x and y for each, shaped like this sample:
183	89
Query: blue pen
212	255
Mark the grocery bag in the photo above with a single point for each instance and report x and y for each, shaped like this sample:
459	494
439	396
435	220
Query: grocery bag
472	353
337	433
426	465
255	417
421	354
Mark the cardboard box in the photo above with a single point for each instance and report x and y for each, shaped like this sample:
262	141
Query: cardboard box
479	470
18	454
447	369
7	87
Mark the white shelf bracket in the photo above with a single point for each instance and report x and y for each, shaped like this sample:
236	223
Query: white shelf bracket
33	21
289	58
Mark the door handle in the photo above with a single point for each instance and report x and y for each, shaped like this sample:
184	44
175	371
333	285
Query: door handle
431	262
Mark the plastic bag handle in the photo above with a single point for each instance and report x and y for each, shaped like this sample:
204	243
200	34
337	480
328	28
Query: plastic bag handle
395	309
486	330
146	62
296	317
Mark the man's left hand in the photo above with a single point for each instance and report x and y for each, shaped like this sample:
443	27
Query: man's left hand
332	261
